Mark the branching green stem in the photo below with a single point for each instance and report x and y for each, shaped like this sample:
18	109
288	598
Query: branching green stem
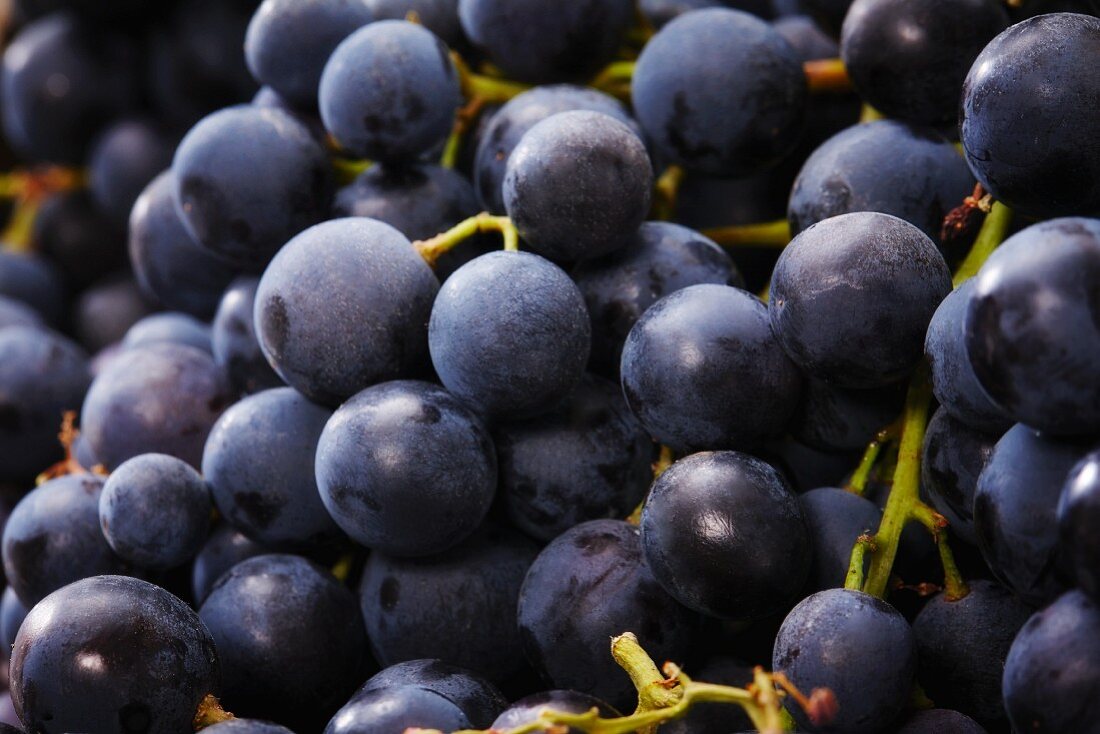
434	248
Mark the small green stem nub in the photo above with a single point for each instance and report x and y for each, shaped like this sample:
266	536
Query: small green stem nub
955	587
990	236
666	190
858	483
485	88
434	248
210	712
827	75
867	113
763	234
349	169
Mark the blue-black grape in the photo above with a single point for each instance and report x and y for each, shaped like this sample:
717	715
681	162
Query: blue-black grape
702	370
168	328
406	469
1078	513
835	639
389	91
343	306
962	645
289	41
224	549
107	310
247	726
479	699
527	709
459	606
438	16
509	334
885	166
836	519
233	338
35	281
836	419
586	460
12	614
42	375
247	179
660	258
578	185
155	511
1027	117
1051	674
258	461
397	709
1032	332
908	58
112	654
725	535
541	41
125	158
53	538
290	639
591	584
18	313
724	108
82	241
938	721
851	298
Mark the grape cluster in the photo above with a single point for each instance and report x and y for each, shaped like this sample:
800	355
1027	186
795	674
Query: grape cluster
561	366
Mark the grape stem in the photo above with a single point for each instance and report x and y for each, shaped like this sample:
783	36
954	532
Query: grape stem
665	192
488	89
29	189
434	248
210	712
464	120
992	233
858	483
69	465
763	234
349	169
867	113
827	75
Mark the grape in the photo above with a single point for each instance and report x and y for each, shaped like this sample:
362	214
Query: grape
1026	117
111	653
543	41
725	108
33	280
78	238
659	259
725	536
422	607
587	460
343	306
838	639
1077	513
1032	334
42	374
808	468
509	334
290	639
289	41
578	185
125	158
163	398
885	166
700	362
1051	674
1015	512
168	328
258	461
389	91
12	614
247	726
940	720
478	698
851	298
438	16
404	468
233	338
835	419
247	179
962	645
908	58
107	310
836	519
17	313
807	37
590	584
660	12
396	709
169	265
155	511
225	548
527	709
512	121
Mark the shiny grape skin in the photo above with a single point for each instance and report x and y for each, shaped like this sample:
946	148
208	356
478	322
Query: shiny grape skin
540	41
247	179
509	334
590	584
225	548
389	92
12	614
163	398
512	121
954	383
836	518
526	710
834	419
578	185
233	338
725	535
168	328
908	58
1015	511
42	374
852	296
951	461
411	606
289	41
112	654
258	461
343	306
962	645
396	709
1033	326
124	160
660	258
155	511
935	721
35	281
404	468
1078	512
169	265
290	639
1051	674
702	109
587	459
702	370
478	698
885	166
1039	75
834	639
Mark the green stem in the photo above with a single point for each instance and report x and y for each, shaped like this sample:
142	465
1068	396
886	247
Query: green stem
867	113
858	483
666	189
614	77
992	233
955	587
763	234
827	75
654	691
348	169
488	89
854	580
434	248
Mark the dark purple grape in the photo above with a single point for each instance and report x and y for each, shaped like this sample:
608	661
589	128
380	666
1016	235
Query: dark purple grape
233	338
18	313
836	519
438	16
84	244
527	709
124	160
397	709
107	310
168	328
225	548
478	698
247	726
12	614
33	280
940	721
836	419
1078	513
